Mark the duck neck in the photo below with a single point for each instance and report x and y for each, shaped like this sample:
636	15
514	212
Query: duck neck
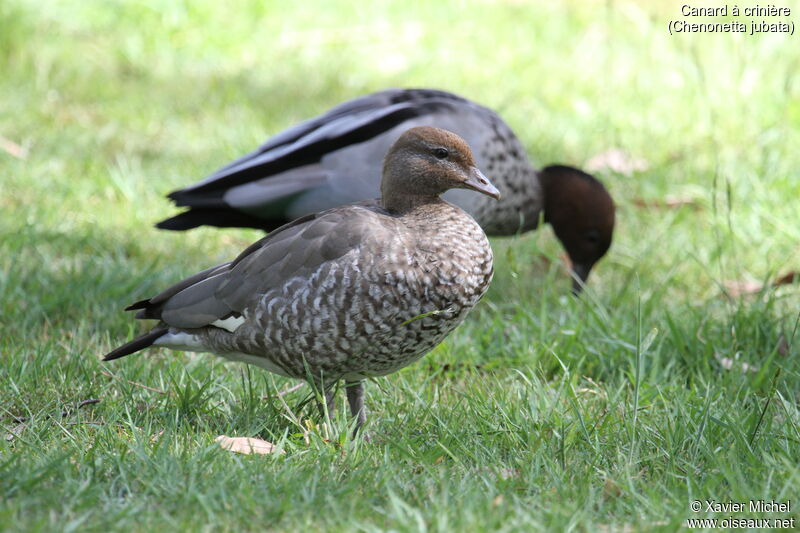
400	204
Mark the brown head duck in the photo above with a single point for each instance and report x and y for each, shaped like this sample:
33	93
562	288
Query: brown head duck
349	293
336	158
582	215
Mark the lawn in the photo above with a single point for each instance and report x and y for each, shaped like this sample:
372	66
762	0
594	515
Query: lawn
674	378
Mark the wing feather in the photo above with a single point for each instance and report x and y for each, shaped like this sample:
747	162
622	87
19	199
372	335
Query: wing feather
350	123
294	251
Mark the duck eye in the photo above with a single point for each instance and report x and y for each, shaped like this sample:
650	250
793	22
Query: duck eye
441	153
592	236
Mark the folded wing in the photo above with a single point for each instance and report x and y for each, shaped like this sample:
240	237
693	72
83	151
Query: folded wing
295	250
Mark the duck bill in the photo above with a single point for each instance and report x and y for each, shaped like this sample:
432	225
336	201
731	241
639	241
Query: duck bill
480	183
580	273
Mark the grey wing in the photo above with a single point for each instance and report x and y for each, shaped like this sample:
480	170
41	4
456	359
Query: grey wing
288	163
295	250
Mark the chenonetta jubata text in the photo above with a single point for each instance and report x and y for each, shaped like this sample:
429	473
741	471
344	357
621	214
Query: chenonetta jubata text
349	293
335	158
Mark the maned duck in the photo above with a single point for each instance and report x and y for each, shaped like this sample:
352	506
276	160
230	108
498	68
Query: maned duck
349	293
335	159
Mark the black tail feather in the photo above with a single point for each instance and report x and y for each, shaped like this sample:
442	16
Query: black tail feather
219	217
141	304
139	343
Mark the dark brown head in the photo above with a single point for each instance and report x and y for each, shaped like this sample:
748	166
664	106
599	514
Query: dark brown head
582	215
424	163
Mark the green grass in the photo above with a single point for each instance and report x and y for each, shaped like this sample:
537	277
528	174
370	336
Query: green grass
610	412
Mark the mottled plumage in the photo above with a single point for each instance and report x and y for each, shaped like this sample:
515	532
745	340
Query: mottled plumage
349	293
335	159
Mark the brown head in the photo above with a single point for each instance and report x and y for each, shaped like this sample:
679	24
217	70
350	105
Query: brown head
424	163
582	215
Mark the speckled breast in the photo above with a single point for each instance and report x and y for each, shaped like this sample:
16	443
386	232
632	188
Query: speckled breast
369	314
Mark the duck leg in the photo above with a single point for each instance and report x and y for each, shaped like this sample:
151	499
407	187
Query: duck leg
330	402
355	397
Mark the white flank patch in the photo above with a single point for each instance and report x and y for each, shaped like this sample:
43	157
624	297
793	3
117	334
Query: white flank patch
230	323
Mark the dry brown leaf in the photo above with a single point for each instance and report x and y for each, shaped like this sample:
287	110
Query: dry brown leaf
740	287
247	445
13	148
787	279
669	202
617	160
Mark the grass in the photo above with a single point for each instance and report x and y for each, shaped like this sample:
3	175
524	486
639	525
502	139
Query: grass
608	412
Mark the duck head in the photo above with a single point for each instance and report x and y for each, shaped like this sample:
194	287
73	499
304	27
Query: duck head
424	163
582	215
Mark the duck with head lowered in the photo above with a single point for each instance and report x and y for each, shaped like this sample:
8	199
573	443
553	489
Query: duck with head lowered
349	293
335	159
